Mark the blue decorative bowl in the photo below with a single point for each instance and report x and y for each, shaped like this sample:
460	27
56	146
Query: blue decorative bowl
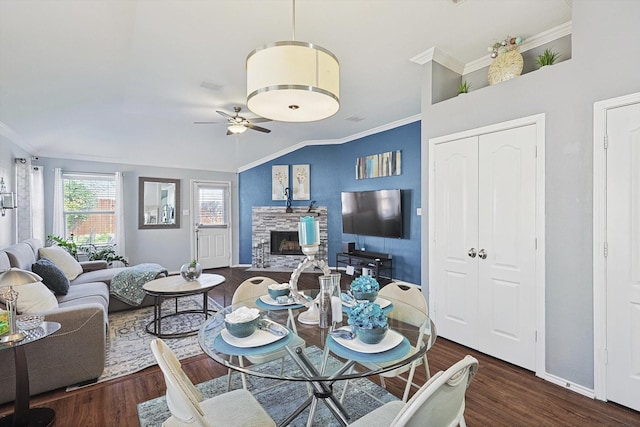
275	293
242	330
365	296
371	336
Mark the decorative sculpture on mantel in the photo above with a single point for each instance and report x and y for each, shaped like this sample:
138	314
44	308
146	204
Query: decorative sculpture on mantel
287	194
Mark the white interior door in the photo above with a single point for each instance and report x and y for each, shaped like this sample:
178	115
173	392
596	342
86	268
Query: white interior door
623	258
456	240
506	242
212	231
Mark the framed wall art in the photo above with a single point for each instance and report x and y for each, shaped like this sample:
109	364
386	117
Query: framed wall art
378	165
279	181
301	182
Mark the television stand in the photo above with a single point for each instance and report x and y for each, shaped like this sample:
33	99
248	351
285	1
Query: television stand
380	264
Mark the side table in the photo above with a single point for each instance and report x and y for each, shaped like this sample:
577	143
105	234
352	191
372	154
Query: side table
23	415
175	287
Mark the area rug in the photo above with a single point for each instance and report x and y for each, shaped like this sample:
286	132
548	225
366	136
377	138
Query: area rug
281	398
128	343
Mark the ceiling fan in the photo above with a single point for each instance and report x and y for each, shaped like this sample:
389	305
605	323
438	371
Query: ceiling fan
238	124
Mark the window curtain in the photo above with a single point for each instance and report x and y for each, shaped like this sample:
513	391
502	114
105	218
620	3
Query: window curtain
37	203
119	232
58	227
30	200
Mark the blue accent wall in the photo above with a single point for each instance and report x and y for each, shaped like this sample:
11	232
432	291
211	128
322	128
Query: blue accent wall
332	170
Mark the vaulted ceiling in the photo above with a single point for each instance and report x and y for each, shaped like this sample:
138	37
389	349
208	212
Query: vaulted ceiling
124	81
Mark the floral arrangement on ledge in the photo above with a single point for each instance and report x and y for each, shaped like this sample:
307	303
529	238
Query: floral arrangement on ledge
367	315
505	45
365	284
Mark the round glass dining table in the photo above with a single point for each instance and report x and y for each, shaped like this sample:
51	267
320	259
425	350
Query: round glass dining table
313	354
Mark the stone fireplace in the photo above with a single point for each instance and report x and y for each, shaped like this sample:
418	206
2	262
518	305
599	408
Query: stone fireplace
275	236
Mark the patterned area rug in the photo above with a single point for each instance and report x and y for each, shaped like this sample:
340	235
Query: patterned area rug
128	343
281	398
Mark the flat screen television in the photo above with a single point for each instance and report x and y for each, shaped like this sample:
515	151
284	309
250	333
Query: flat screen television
372	213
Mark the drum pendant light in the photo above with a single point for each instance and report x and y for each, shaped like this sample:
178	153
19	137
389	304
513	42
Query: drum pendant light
293	81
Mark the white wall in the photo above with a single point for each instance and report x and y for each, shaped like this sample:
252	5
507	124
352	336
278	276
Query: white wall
604	64
8	152
170	247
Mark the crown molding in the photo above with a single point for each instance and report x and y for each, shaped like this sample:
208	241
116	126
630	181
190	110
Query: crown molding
446	60
344	140
530	43
439	56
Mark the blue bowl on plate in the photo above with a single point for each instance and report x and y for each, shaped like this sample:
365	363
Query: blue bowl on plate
243	329
275	293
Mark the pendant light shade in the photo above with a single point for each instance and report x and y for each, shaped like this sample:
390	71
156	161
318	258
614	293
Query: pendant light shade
292	81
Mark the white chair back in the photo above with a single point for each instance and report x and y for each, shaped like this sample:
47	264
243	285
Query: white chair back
441	401
183	399
411	295
252	288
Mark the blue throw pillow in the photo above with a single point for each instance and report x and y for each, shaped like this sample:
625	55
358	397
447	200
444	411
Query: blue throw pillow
52	276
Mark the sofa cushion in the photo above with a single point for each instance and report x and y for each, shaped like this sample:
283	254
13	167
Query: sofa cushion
4	261
20	255
63	260
95	292
52	276
34	298
103	275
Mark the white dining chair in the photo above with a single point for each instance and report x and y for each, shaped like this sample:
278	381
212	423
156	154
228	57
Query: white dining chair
254	288
438	403
411	295
188	408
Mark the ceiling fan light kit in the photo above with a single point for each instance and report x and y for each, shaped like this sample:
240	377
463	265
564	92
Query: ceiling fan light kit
237	128
293	81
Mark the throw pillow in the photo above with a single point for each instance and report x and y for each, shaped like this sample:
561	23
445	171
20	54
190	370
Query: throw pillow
52	276
65	262
34	298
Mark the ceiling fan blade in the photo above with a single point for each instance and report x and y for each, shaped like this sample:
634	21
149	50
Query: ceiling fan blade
223	114
258	120
258	128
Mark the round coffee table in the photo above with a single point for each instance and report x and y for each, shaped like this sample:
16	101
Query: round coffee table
176	287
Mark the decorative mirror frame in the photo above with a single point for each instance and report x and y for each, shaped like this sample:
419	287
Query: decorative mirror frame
142	225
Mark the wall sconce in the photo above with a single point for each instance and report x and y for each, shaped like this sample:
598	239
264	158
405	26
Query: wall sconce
7	199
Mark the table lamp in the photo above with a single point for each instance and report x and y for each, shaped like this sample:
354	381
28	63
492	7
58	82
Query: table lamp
9	279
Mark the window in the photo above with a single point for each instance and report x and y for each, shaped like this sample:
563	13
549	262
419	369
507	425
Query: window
89	207
211	205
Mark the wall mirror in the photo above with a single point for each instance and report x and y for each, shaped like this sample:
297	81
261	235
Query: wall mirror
158	203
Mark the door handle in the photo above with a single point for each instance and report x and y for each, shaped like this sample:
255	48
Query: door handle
482	254
472	252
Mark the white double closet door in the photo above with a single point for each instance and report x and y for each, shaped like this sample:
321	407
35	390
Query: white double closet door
483	275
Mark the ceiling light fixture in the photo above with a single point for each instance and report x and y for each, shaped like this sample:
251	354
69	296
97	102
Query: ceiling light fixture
237	128
293	81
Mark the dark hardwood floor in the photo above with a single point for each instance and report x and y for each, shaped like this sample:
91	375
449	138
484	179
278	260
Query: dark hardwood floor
500	395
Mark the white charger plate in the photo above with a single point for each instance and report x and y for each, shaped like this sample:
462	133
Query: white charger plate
383	303
256	339
390	340
268	300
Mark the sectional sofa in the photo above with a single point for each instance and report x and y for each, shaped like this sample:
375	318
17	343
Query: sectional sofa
76	353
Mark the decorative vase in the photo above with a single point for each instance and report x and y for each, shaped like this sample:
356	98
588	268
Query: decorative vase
191	272
371	336
365	296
